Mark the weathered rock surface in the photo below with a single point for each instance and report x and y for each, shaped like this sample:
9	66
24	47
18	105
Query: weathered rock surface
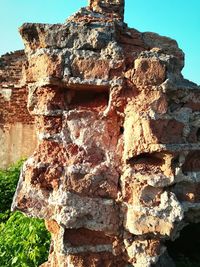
17	130
117	170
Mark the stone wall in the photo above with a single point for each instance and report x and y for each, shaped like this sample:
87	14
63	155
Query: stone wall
17	131
117	171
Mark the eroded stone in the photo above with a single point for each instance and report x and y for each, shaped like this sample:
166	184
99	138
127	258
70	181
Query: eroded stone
116	170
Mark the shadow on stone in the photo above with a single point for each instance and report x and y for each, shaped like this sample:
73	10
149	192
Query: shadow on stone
185	249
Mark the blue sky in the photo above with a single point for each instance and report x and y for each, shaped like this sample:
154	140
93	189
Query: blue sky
177	19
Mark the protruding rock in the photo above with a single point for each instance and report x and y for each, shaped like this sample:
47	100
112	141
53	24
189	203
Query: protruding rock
113	8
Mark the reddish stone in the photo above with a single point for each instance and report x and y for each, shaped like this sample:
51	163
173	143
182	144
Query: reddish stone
52	227
80	237
47	99
149	72
44	66
167	131
48	125
90	69
103	259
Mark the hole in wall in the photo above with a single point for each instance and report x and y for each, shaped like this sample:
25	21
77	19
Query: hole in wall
147	158
121	130
150	196
88	99
175	162
147	162
198	135
185	249
83	236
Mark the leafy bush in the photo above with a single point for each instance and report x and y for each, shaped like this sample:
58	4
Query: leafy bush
8	183
24	242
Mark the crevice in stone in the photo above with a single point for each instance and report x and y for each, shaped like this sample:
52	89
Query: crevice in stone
198	135
121	130
147	161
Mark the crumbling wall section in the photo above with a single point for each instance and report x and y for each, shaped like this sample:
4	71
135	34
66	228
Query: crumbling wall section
116	171
17	133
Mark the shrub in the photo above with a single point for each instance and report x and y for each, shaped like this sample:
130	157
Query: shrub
24	242
8	183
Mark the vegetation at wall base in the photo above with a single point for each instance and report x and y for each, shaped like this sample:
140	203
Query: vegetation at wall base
8	184
24	242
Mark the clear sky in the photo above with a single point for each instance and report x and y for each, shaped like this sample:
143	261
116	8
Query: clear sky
178	19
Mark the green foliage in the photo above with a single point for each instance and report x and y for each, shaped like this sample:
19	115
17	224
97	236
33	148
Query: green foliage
8	183
24	242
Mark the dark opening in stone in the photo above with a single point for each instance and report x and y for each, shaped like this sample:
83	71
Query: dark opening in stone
148	162
121	130
88	99
82	236
185	249
198	135
147	158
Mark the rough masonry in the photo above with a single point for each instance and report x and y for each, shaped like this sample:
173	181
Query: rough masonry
17	131
116	171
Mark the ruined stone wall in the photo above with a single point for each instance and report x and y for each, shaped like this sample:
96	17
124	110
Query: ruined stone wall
117	171
17	131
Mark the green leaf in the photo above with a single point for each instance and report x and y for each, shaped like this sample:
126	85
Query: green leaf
15	259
